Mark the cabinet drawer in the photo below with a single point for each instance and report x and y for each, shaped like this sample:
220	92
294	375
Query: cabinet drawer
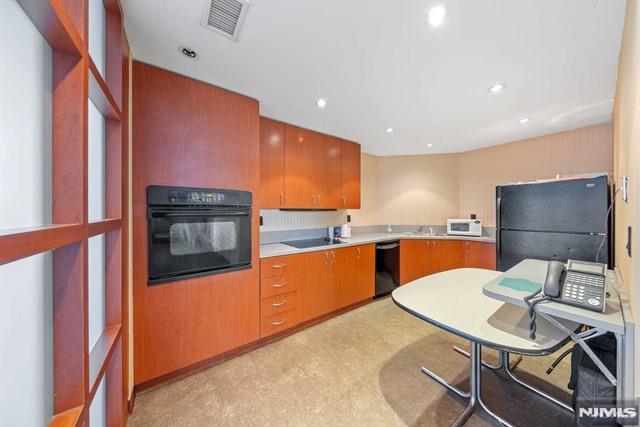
277	323
278	266
277	304
278	285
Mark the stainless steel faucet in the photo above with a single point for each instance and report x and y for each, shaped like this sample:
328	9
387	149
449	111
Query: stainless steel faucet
424	226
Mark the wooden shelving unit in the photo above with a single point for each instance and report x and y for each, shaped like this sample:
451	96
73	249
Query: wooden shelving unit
78	369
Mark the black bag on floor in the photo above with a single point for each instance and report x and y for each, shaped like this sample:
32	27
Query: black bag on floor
590	387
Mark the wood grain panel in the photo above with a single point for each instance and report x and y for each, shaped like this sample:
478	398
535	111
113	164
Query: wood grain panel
277	285
326	171
313	292
271	164
343	277
414	260
350	175
188	133
277	266
480	255
446	255
278	323
300	166
277	304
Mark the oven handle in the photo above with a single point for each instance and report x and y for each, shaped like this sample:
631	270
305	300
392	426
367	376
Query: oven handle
171	214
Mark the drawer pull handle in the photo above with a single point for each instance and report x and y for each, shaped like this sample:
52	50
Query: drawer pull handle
283	265
279	322
281	285
279	304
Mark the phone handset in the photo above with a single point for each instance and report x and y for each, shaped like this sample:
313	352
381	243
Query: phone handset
555	278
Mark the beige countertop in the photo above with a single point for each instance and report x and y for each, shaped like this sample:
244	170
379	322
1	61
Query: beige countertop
279	249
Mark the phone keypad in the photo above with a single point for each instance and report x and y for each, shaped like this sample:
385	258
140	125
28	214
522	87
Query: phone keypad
584	290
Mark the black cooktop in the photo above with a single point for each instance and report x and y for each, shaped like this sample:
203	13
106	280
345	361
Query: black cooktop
310	243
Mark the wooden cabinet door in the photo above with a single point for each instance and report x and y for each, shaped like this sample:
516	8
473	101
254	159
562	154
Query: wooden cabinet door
341	289
365	273
480	255
350	175
314	284
446	255
300	168
414	260
326	171
271	164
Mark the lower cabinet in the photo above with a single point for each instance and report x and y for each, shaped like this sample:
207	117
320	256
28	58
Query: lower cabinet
480	255
317	283
419	257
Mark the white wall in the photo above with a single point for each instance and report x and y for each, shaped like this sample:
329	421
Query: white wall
97	30
26	360
96	164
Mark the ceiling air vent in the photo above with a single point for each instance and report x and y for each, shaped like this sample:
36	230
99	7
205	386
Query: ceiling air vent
225	17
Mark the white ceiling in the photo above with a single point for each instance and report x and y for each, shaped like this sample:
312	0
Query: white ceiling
379	64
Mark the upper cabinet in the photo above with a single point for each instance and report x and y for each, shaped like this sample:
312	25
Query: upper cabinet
303	169
271	163
350	175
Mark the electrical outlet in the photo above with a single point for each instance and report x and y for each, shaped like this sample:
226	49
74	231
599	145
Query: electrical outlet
261	220
625	188
348	218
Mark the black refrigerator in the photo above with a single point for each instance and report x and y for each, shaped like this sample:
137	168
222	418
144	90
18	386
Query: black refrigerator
553	220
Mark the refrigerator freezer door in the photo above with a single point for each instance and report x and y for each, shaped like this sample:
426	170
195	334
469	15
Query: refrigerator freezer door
515	246
575	206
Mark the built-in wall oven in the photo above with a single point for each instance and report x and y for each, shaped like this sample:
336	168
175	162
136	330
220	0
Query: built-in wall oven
195	232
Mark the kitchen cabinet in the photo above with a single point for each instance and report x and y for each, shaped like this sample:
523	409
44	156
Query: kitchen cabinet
421	257
350	175
271	164
318	283
480	255
354	276
414	259
311	170
303	169
446	255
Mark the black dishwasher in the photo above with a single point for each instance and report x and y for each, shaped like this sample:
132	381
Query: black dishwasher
387	267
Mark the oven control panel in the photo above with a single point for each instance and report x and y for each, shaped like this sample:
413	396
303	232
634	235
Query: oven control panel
160	195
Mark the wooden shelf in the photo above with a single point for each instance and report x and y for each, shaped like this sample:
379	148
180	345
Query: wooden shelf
101	95
54	23
100	355
23	242
68	418
104	226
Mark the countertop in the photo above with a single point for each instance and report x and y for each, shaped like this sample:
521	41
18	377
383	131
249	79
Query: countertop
279	249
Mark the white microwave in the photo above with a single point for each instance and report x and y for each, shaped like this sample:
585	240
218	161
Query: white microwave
464	227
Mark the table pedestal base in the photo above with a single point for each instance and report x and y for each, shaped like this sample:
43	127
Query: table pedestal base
474	396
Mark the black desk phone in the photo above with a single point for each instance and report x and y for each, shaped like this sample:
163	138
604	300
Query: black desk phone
581	284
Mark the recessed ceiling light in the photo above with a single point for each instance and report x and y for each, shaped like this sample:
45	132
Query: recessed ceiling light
496	88
436	15
188	52
321	103
389	130
524	120
429	145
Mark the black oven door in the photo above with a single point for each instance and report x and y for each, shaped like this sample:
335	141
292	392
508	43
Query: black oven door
193	242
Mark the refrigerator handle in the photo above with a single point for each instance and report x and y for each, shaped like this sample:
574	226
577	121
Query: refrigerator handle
498	263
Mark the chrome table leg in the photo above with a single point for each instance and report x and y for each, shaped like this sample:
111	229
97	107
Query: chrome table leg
454	389
476	353
533	389
485	364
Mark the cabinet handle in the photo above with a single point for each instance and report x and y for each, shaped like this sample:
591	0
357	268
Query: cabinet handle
281	199
280	285
279	322
358	251
333	257
279	304
318	200
326	257
283	265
